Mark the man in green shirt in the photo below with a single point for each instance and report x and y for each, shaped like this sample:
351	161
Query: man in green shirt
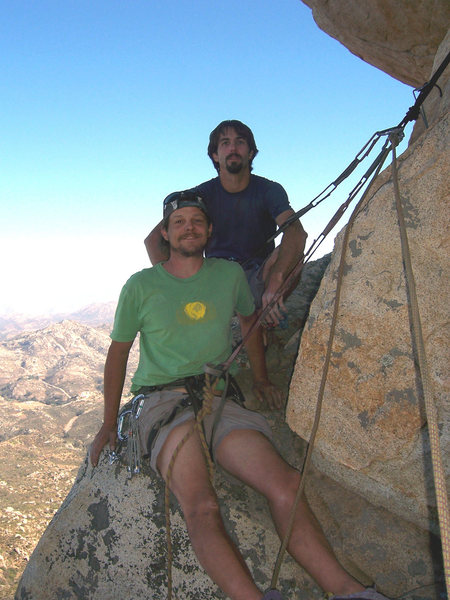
182	309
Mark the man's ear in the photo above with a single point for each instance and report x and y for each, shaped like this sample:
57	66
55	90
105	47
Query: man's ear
164	233
209	230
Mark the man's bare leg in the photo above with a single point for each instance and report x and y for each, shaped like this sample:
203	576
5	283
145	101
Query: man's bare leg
250	456
212	545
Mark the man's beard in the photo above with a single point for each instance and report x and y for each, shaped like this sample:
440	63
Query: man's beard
235	166
189	251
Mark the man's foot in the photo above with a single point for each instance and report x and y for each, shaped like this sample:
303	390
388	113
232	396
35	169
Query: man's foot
272	595
367	594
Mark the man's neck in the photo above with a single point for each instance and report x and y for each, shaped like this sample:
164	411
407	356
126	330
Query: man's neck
234	182
183	266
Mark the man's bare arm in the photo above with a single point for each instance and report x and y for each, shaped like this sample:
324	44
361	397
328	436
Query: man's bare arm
115	371
153	243
263	388
291	249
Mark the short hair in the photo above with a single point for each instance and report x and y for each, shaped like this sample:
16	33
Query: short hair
241	129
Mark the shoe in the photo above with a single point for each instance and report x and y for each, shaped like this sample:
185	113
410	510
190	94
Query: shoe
367	594
272	595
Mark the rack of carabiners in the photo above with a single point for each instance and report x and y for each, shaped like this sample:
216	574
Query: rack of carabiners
128	433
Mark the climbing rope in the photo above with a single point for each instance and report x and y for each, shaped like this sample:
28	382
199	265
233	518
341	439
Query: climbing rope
304	470
430	407
395	135
206	409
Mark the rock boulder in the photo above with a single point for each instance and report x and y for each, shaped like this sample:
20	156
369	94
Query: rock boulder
373	436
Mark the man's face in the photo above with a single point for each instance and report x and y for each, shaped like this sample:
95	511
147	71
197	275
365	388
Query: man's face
233	153
188	231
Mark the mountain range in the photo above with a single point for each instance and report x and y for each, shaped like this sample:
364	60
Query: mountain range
50	408
93	314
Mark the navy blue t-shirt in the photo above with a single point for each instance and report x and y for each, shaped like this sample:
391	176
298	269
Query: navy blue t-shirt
243	221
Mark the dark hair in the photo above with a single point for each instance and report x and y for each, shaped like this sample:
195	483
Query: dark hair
241	129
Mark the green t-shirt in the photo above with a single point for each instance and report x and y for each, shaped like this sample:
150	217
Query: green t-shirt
183	323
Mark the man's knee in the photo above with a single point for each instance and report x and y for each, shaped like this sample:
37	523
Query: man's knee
202	511
284	495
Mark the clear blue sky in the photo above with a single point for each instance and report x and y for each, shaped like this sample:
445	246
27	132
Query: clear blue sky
107	105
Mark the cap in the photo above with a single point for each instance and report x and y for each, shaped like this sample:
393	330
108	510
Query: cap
178	200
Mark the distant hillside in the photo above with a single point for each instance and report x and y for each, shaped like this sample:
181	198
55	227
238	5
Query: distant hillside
54	364
94	315
50	408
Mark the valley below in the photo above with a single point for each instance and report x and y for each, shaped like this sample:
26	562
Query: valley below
51	406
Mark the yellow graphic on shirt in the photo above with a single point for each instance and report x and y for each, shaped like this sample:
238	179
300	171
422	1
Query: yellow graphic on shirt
195	310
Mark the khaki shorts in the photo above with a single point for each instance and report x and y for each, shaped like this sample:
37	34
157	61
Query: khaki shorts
159	406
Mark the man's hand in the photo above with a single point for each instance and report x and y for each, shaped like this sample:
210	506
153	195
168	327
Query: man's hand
105	435
268	393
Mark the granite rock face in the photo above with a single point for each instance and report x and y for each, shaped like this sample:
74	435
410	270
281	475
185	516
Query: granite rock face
373	436
108	540
398	37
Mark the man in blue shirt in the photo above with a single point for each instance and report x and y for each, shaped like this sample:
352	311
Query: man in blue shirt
246	210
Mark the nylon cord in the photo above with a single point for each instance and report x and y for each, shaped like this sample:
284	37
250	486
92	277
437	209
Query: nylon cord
300	489
430	406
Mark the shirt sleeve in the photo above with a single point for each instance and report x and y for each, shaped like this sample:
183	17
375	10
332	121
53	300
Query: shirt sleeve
126	321
276	199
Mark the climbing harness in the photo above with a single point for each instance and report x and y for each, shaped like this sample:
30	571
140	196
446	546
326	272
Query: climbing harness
128	418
